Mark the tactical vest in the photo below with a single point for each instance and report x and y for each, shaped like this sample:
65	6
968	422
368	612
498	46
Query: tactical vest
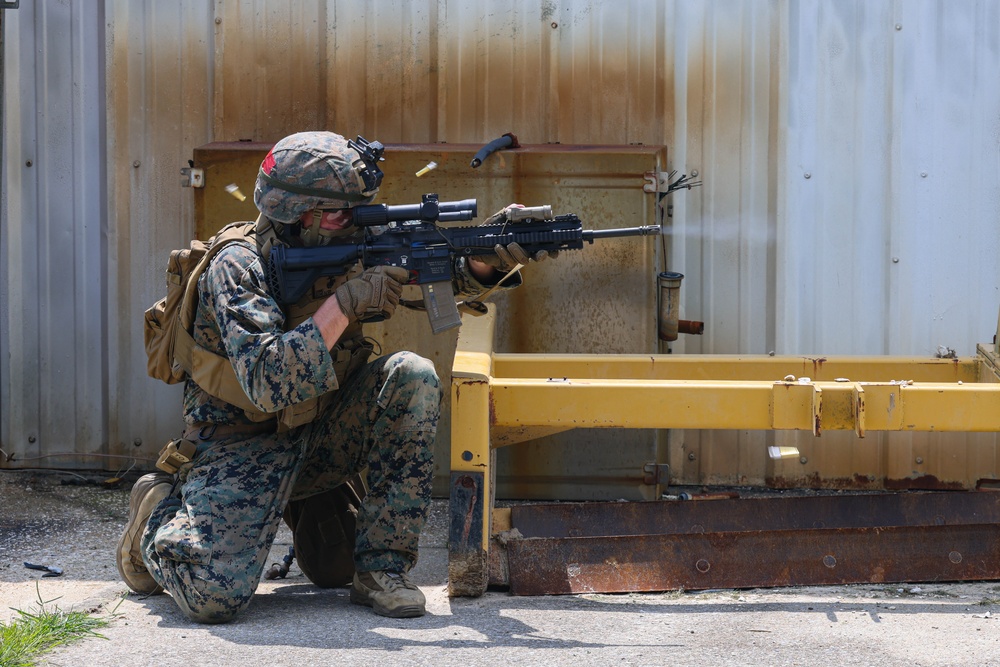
214	373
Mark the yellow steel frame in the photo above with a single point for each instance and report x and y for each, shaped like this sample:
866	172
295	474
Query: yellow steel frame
502	399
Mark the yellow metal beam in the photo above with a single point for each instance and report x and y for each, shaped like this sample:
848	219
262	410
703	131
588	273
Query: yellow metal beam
791	401
629	403
474	351
735	367
500	399
989	363
472	472
589	403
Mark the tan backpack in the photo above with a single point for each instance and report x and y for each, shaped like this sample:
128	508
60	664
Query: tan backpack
171	353
173	356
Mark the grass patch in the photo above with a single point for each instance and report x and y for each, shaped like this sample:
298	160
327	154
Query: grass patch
34	632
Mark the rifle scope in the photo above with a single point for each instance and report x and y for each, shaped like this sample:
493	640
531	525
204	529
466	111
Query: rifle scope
429	209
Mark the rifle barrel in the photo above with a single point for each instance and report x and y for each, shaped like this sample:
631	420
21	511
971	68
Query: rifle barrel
645	230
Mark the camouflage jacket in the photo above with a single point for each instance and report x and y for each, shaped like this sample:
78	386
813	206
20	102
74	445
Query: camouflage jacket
238	317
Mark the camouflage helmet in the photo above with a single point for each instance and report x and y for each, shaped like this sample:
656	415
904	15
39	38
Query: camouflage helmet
311	170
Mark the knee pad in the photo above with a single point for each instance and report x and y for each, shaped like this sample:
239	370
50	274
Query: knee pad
324	528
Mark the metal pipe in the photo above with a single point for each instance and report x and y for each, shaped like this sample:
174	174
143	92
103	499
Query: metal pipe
692	327
668	305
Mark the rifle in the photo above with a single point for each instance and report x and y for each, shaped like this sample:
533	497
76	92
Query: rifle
411	237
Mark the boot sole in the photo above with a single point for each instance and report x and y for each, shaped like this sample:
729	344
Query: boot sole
134	503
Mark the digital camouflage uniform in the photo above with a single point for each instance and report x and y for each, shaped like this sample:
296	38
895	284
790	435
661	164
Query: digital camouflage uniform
207	544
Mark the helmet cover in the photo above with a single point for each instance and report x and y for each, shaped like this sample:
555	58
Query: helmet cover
311	170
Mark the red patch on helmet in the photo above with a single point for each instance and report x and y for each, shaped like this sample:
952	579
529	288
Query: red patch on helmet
268	164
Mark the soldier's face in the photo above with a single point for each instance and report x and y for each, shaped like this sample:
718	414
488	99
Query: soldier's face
334	220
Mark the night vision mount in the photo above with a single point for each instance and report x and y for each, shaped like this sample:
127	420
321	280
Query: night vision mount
371	154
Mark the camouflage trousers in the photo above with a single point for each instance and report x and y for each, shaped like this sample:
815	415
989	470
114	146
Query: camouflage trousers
208	545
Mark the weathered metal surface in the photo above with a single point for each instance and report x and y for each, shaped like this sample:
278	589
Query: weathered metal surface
468	568
494	409
58	311
226	163
753	559
749	514
499	571
623	547
746	392
809	108
781	262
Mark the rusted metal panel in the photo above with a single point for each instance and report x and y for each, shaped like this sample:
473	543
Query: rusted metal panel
468	567
463	72
624	547
224	164
600	300
754	559
750	514
271	68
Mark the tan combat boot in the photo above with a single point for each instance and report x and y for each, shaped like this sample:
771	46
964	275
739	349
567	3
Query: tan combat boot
388	594
147	493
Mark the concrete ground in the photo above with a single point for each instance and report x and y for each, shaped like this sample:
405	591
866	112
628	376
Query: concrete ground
75	527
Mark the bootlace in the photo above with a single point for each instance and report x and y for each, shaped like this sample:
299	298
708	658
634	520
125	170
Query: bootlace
399	579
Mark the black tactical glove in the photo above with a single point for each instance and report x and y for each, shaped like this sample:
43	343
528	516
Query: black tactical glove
510	255
375	292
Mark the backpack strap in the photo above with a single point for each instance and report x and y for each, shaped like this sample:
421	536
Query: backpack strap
214	373
210	371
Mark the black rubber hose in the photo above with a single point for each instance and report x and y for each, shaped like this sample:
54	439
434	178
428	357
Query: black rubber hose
506	141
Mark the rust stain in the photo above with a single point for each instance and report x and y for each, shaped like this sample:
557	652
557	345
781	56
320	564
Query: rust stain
924	482
877	538
469	511
866	482
815	481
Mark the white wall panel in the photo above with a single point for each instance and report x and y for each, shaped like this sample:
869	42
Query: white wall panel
890	245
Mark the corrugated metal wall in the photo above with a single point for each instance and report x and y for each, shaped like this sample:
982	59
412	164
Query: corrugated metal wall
55	316
849	152
888	209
